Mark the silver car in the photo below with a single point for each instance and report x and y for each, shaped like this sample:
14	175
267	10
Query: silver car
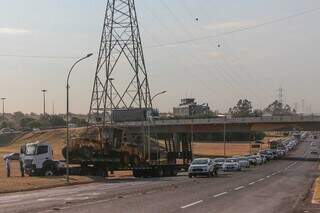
244	162
201	166
231	164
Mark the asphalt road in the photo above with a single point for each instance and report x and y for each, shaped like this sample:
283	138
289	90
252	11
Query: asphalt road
279	186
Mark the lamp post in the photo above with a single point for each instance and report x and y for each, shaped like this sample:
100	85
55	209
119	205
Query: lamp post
111	100
156	95
3	100
44	102
149	116
68	87
224	138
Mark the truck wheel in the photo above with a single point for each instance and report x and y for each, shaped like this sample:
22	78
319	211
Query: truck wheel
49	173
190	175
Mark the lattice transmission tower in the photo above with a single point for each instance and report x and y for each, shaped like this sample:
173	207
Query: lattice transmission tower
121	80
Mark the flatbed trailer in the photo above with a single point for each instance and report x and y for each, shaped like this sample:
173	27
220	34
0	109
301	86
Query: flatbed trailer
158	170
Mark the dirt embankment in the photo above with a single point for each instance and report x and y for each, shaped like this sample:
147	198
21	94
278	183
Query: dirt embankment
16	182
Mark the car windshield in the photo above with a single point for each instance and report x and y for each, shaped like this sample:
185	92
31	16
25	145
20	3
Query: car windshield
231	160
31	149
242	158
200	161
219	160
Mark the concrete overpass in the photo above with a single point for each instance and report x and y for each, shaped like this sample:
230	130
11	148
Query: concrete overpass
245	124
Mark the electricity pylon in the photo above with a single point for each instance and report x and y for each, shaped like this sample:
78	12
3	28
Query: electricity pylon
121	80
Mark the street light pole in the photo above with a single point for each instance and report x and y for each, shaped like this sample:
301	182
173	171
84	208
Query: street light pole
111	100
68	87
156	95
3	100
224	138
149	116
44	102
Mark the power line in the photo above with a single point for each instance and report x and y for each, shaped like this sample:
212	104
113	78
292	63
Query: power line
234	76
274	21
38	56
183	41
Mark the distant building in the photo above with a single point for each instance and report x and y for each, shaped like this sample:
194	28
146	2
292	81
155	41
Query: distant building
189	108
166	115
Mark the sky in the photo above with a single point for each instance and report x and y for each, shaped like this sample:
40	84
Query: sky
219	70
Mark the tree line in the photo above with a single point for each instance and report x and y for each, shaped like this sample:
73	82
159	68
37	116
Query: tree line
19	120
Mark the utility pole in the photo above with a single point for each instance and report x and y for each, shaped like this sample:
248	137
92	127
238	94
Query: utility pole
44	102
296	107
3	100
52	107
224	138
120	40
281	96
68	138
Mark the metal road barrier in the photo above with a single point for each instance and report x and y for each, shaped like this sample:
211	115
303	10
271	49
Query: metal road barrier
222	120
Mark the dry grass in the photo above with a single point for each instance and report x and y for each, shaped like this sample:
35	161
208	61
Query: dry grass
316	195
17	183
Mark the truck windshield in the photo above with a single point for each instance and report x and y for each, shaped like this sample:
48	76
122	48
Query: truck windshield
31	149
200	161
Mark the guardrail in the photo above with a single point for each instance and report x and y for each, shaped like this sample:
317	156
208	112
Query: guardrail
222	120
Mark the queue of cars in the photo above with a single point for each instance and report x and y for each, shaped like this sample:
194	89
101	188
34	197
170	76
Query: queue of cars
208	166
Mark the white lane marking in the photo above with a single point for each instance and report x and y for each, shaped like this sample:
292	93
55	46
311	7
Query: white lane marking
268	176
49	199
238	188
218	195
191	204
252	183
261	179
275	173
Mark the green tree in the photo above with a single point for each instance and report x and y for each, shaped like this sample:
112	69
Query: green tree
242	109
78	121
56	120
25	122
34	124
277	108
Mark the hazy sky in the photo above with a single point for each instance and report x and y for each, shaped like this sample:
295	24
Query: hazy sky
249	64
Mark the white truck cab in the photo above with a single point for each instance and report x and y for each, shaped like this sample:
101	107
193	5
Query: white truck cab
38	159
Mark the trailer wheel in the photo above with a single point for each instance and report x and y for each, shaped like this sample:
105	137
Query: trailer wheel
160	172
174	172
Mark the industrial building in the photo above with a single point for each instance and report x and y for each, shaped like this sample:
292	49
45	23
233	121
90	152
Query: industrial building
189	108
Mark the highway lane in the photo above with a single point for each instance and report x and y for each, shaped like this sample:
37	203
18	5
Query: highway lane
279	185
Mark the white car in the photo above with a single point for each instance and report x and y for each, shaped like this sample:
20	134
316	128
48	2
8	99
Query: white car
243	162
219	162
231	164
202	166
